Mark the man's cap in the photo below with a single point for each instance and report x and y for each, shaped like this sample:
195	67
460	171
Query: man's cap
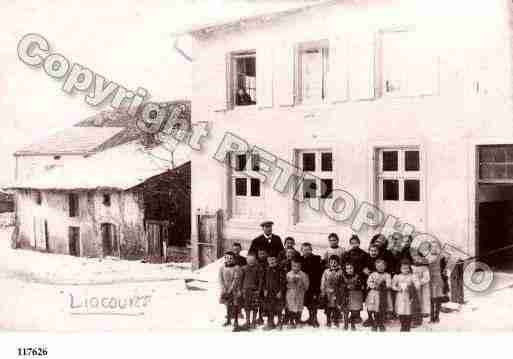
266	223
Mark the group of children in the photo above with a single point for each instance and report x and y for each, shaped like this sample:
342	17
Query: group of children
391	283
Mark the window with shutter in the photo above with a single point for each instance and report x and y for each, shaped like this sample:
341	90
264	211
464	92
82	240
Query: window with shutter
312	69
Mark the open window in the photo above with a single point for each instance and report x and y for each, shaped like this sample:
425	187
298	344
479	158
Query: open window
243	80
312	70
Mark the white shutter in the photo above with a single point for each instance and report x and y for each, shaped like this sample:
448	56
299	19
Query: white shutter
362	67
423	67
338	66
264	75
221	78
285	65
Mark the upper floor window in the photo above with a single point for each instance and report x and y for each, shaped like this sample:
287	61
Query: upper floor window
73	204
243	83
312	71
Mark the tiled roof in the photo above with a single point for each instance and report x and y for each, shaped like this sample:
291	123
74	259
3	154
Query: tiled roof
121	167
73	140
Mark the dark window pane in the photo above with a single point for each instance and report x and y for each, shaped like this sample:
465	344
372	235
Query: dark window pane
327	162
241	187
509	153
390	160
255	187
309	188
412	161
240	162
73	204
326	188
255	165
390	190
412	190
486	154
309	162
492	171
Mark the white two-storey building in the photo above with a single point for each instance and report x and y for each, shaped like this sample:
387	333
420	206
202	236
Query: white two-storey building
406	105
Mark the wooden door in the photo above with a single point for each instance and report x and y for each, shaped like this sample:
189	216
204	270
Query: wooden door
157	235
74	241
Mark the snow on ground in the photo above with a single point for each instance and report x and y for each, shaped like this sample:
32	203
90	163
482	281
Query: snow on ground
46	292
65	269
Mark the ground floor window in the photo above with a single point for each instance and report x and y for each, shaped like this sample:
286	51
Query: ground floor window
399	184
317	183
245	192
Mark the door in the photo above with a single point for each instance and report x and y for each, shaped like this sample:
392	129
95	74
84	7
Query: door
109	240
74	241
157	237
400	185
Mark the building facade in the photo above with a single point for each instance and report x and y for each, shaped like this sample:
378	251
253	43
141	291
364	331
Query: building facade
126	202
404	105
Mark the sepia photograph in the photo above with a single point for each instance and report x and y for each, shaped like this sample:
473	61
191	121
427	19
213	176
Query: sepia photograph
338	168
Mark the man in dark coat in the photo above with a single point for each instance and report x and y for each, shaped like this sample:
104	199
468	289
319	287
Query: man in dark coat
312	266
268	241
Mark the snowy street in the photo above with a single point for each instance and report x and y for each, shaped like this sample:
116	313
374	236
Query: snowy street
47	292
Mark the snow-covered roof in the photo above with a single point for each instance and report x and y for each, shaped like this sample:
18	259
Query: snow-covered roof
121	168
73	140
264	15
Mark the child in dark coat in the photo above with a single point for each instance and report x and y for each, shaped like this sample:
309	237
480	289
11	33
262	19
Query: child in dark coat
262	263
333	292
312	266
239	259
229	281
274	287
252	278
355	288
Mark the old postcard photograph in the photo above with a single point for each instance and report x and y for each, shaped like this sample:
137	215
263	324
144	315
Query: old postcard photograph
294	168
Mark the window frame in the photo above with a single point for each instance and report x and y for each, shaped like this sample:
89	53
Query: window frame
232	76
323	46
250	174
401	174
73	205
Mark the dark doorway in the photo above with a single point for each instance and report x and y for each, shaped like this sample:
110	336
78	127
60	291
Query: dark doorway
109	240
74	241
495	225
47	237
157	233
